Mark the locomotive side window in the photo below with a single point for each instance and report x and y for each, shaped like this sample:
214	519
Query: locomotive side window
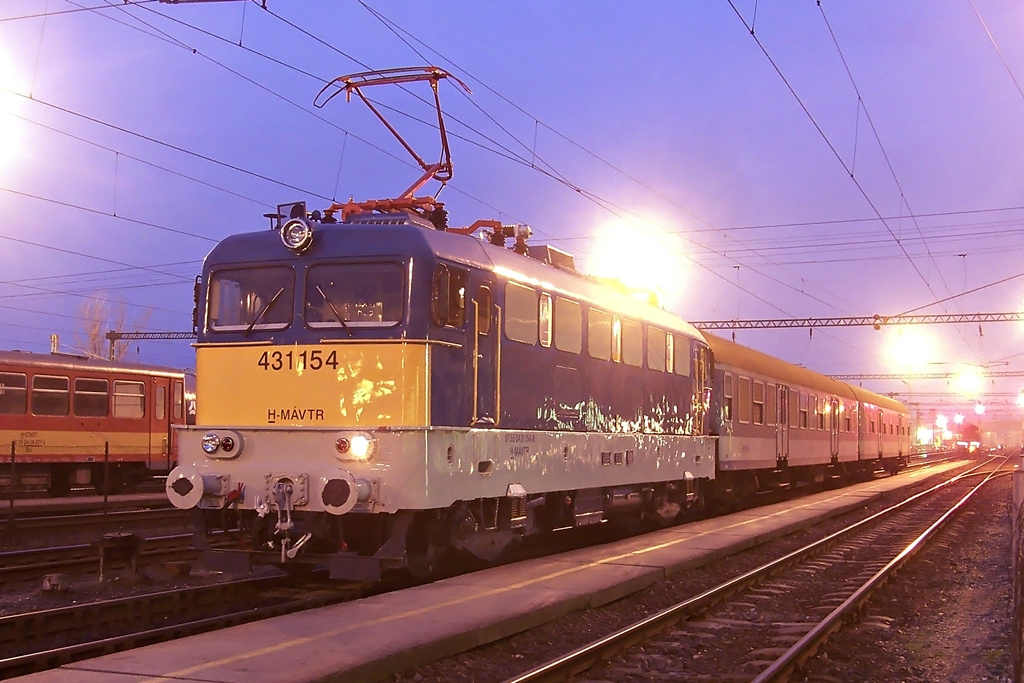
681	364
129	399
245	299
520	313
568	325
599	334
743	400
545	320
13	393
341	295
50	395
758	402
656	349
448	296
632	343
483	310
91	397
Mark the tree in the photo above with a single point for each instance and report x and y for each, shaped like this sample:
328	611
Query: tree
97	316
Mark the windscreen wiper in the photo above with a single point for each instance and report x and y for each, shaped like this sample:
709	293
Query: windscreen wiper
263	312
334	310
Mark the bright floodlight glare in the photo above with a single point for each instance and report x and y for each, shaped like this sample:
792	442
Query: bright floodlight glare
979	408
941	421
360	446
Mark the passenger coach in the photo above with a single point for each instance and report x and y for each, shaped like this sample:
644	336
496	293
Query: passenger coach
69	420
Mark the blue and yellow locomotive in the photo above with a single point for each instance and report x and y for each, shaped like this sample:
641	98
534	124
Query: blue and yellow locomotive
377	391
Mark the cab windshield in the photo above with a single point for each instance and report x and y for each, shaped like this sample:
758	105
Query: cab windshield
247	299
349	295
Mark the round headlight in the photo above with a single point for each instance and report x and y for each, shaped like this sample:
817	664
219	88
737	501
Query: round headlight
297	235
211	442
361	446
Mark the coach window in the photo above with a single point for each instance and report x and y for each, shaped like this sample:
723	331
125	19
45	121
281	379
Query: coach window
769	404
821	413
520	313
599	334
50	395
632	343
13	393
847	420
794	403
743	400
681	366
483	310
727	394
160	403
656	351
246	299
179	400
545	320
803	410
129	399
758	402
91	398
616	339
568	325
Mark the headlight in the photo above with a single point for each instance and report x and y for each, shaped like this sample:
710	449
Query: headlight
211	442
359	446
297	235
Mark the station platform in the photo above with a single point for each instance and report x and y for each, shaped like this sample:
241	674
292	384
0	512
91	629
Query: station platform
374	638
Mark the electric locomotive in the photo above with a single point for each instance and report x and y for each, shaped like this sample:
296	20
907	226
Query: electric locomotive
379	391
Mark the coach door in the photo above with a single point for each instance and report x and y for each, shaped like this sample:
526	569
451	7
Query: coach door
159	425
782	425
833	428
486	358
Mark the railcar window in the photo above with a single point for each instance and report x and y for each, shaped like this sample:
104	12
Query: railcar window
632	343
769	404
243	299
743	400
848	419
821	413
179	401
599	334
520	313
656	351
160	403
568	325
346	295
91	397
50	395
758	402
682	360
727	396
483	310
545	320
616	339
794	403
129	399
13	393
803	410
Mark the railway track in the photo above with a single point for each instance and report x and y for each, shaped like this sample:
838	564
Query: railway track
45	639
761	626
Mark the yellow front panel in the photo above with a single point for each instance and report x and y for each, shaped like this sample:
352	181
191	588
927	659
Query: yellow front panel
315	385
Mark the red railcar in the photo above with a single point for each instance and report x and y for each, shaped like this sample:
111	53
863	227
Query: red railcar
68	420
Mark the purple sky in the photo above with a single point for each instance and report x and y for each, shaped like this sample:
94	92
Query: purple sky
658	143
